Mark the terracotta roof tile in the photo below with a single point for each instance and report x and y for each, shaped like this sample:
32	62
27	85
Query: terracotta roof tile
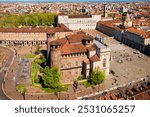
79	16
86	61
27	30
101	98
95	58
137	31
77	38
73	48
58	42
113	96
107	97
61	28
110	24
92	47
72	44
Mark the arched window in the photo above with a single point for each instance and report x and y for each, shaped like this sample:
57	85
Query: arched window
104	62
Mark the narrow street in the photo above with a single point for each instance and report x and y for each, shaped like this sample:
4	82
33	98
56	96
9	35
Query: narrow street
2	74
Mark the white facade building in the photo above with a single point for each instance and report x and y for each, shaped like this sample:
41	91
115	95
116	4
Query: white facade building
82	22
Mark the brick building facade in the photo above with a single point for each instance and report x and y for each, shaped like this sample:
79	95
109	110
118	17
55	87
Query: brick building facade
31	36
72	52
24	36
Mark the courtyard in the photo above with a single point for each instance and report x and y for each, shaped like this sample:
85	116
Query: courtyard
128	64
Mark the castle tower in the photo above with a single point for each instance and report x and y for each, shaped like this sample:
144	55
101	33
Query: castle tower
55	54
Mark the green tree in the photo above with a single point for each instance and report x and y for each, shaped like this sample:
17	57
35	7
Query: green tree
97	76
51	77
36	19
41	60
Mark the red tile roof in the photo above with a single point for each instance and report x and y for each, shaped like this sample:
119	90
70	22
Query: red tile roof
58	42
61	28
110	24
80	16
77	38
27	30
141	33
107	97
113	96
72	44
86	61
73	48
92	47
101	98
95	58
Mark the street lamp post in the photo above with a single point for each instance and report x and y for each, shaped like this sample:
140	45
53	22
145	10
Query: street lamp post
122	33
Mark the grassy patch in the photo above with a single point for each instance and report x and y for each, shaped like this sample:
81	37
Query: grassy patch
60	89
29	56
87	84
34	70
82	77
37	85
21	88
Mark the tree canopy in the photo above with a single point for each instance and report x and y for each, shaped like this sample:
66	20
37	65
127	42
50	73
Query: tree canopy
36	19
97	76
51	77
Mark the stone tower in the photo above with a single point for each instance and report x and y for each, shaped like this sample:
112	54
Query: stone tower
127	21
105	10
55	54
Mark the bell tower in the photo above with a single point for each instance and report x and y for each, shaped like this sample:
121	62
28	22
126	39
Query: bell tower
127	23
